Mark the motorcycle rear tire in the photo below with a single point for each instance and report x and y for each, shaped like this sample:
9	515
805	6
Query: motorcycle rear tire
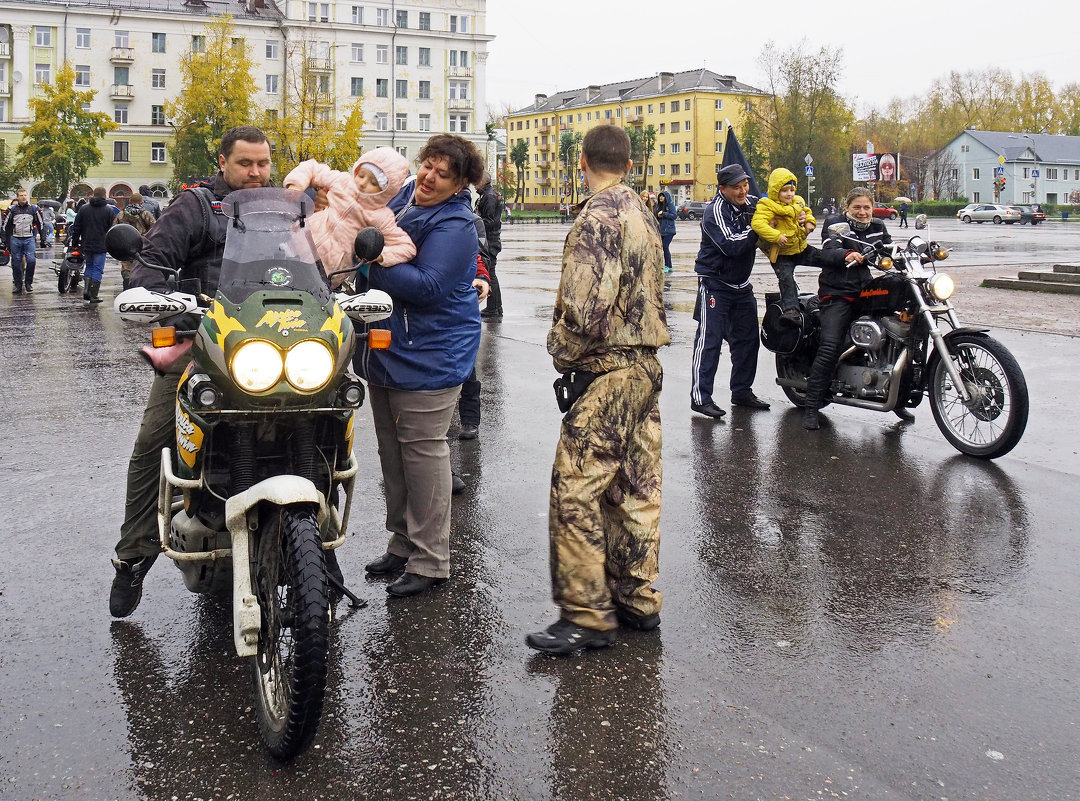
289	672
994	421
786	369
62	282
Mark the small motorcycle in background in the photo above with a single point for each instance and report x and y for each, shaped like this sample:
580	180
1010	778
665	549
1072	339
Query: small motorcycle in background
69	270
906	343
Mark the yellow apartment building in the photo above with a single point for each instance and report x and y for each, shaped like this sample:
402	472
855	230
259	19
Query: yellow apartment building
690	112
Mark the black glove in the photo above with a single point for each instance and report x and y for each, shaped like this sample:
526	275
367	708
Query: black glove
186	324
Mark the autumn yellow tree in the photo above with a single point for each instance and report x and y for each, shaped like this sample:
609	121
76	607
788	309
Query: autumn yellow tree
309	124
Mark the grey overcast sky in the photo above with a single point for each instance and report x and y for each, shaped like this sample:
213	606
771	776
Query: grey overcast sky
890	49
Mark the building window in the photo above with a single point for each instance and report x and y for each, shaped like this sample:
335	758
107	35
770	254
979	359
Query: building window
82	74
42	74
43	36
459	123
382	19
157	43
271	84
459	90
663	128
382	54
380	121
663	150
424	57
663	169
382	88
459	24
424	90
82	38
157	79
675	147
954	174
401	90
356	87
401	56
975	174
357	51
719	105
675	127
121	39
120	76
198	43
404	151
358	15
719	128
271	49
686	169
157	152
425	21
120	151
157	115
425	122
663	107
401	122
402	21
674	169
719	147
120	114
975	197
1051	173
607	114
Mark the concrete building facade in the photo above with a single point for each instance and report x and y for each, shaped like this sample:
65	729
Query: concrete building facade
419	66
690	112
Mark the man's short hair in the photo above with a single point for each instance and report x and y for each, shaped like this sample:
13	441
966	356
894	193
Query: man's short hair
99	191
246	133
606	148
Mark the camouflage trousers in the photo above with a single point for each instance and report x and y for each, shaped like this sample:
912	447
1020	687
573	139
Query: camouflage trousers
604	508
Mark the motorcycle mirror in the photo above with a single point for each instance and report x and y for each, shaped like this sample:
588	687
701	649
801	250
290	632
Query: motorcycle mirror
839	229
123	242
368	244
920	222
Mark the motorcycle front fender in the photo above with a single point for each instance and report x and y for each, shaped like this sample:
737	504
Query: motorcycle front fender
276	490
935	355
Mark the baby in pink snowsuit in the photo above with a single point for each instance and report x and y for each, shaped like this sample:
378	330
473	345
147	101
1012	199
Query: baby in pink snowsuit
357	199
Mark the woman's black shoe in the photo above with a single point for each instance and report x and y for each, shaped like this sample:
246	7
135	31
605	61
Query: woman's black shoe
387	563
411	584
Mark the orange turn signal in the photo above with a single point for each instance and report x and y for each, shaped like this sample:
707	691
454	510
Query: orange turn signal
163	337
378	339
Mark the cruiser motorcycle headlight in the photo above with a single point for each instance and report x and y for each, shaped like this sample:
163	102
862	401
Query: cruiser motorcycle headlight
309	365
941	286
256	365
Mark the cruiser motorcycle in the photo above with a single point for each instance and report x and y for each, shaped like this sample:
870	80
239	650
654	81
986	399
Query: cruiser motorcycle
906	343
257	490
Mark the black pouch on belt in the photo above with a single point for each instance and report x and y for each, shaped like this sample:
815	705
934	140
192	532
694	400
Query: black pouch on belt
570	386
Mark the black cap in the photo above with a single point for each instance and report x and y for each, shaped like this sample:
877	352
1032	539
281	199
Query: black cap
731	175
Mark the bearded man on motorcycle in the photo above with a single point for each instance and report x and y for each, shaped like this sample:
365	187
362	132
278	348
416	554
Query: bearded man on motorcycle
842	278
190	239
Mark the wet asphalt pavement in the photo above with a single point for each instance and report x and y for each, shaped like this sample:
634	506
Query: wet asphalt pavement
856	613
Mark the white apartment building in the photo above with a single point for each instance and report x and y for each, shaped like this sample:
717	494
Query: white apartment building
419	67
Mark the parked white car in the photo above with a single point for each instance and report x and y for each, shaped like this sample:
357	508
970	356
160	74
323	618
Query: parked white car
990	211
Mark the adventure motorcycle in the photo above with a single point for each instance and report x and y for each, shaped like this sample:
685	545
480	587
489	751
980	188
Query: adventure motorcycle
257	490
896	351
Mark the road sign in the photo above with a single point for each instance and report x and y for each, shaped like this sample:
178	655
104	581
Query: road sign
809	160
999	171
809	171
1034	173
1001	159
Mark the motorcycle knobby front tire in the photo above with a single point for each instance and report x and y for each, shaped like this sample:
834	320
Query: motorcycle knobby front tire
289	671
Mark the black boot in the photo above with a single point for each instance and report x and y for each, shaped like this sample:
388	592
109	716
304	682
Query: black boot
127	585
17	290
94	287
86	290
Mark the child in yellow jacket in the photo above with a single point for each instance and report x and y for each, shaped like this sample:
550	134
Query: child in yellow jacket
782	222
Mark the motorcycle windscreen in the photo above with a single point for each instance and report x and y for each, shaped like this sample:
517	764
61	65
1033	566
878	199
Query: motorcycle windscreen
267	246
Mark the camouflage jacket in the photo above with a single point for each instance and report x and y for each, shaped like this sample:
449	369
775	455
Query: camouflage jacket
609	312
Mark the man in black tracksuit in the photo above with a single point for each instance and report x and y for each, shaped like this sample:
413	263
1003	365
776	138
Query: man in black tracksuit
188	238
843	276
490	208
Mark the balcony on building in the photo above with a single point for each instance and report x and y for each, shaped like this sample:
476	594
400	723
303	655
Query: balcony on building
323	100
457	103
544	182
460	72
122	55
121	90
634	119
319	65
544	126
544	164
544	147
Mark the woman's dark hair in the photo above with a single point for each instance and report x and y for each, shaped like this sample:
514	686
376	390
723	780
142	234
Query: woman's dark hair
463	156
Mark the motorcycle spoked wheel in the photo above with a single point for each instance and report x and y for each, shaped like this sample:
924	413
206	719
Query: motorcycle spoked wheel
993	421
289	671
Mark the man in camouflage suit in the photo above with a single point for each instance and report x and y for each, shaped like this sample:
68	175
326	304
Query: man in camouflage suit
604	514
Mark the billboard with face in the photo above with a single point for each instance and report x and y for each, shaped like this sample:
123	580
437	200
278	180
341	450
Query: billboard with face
875	167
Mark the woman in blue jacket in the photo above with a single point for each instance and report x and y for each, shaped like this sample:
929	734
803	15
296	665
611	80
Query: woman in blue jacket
665	213
415	384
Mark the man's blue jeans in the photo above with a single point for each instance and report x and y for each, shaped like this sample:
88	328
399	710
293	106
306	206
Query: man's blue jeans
23	247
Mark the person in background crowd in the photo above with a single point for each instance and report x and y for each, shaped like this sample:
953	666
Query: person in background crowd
135	214
22	226
88	231
489	205
665	213
149	202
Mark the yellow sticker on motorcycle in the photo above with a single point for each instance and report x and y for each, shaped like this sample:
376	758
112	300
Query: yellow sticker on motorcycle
189	437
284	319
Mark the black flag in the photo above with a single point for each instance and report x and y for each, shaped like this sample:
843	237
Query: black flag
733	155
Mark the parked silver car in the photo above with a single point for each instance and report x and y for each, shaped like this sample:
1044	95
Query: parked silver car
990	211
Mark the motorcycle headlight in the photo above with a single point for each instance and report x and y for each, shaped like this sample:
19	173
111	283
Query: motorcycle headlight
309	365
256	365
941	286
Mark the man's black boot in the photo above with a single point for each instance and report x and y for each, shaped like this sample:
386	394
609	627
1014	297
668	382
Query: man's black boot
127	585
94	287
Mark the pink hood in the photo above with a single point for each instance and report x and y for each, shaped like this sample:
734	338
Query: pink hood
394	167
